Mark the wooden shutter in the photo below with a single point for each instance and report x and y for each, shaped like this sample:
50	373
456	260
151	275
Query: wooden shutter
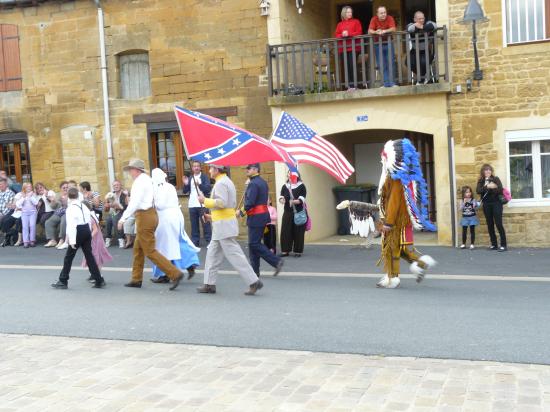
10	73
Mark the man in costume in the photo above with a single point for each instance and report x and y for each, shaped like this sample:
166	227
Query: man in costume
255	208
403	205
225	229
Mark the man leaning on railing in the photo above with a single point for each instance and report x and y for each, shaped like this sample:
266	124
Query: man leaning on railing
380	25
419	43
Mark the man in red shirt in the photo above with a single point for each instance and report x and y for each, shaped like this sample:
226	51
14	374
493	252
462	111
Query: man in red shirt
380	26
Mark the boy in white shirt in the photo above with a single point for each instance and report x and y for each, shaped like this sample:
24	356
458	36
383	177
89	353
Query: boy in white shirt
80	235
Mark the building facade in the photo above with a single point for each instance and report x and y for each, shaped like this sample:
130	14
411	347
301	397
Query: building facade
203	55
456	122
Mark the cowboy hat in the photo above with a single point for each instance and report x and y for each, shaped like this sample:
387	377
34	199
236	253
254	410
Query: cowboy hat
135	164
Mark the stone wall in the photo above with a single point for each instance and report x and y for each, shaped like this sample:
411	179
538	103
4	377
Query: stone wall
202	54
512	95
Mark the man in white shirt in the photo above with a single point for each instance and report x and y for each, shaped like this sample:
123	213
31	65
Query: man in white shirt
141	206
78	219
196	210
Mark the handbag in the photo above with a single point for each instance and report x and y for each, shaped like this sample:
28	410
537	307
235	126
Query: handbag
300	218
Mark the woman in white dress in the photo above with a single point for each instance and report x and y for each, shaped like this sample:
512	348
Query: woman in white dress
171	240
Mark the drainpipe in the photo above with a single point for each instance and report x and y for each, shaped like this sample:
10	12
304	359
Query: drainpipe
106	117
452	178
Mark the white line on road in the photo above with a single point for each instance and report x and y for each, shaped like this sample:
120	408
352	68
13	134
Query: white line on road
492	278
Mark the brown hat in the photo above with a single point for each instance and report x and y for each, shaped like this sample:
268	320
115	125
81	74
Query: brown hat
135	164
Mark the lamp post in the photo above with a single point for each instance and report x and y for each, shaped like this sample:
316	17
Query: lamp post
474	13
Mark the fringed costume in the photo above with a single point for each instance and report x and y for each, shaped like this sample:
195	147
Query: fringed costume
403	205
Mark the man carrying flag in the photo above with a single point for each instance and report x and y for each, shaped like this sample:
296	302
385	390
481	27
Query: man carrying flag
255	208
225	229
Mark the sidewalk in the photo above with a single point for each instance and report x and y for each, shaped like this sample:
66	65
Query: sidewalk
39	373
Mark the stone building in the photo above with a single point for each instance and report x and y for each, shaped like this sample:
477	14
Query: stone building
456	122
206	55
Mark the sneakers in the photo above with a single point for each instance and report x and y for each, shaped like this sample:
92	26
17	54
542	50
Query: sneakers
62	246
472	247
108	242
394	283
429	261
418	271
502	249
121	243
383	282
51	243
463	246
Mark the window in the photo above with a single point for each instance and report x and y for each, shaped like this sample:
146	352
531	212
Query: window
10	64
14	156
167	154
526	20
134	75
529	166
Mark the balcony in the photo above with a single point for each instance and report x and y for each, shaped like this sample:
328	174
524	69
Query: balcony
337	69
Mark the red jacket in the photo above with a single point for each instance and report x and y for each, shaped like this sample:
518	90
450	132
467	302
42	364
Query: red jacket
354	28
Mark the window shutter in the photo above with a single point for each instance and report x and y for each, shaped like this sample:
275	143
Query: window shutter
11	75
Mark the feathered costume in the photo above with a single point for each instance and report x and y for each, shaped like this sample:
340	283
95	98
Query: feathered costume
403	205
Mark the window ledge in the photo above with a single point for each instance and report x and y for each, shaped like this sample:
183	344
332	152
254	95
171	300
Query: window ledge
541	46
528	206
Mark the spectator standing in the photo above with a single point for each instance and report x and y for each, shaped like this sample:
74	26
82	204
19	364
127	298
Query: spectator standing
345	29
468	206
27	204
196	210
113	208
489	187
382	26
293	197
417	29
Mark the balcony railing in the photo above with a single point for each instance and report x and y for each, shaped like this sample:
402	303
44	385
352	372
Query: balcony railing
331	65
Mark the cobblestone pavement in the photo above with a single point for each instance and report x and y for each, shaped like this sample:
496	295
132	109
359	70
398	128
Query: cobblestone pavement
40	373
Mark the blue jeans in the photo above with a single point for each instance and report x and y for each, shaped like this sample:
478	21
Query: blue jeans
384	54
257	250
195	216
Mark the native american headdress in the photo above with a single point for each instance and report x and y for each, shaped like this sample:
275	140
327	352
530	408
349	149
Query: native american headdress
401	161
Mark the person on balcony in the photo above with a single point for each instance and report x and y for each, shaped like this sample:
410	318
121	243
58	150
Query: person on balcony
416	31
348	27
380	26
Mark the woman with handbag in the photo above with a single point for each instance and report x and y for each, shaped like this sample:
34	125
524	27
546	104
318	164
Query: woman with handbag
293	227
489	187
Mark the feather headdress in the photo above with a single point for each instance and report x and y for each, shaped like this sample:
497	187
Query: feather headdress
401	161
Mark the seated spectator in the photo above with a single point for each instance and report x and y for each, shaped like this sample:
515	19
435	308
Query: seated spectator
347	28
92	199
115	204
6	198
56	224
380	26
11	224
45	210
417	30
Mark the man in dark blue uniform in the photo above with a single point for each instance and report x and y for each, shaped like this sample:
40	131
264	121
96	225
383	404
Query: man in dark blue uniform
255	208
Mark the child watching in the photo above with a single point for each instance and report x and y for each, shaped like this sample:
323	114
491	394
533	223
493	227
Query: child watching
468	206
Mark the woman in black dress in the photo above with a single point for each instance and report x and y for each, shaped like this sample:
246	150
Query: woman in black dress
292	236
489	187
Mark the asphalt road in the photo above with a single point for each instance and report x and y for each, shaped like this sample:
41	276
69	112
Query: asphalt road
466	318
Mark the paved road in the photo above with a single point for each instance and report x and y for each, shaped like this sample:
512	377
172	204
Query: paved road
53	374
461	319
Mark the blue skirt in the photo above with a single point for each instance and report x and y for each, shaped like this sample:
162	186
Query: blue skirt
188	258
469	221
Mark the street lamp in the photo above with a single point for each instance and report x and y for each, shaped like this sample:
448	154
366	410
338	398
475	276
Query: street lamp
474	13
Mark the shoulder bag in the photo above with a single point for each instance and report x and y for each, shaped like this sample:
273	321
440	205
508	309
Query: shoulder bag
300	218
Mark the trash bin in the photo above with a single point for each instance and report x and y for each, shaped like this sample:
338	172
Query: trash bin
359	193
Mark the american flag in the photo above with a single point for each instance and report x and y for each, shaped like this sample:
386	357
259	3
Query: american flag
306	146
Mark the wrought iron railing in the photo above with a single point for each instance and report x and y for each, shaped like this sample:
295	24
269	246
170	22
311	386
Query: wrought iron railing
359	62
